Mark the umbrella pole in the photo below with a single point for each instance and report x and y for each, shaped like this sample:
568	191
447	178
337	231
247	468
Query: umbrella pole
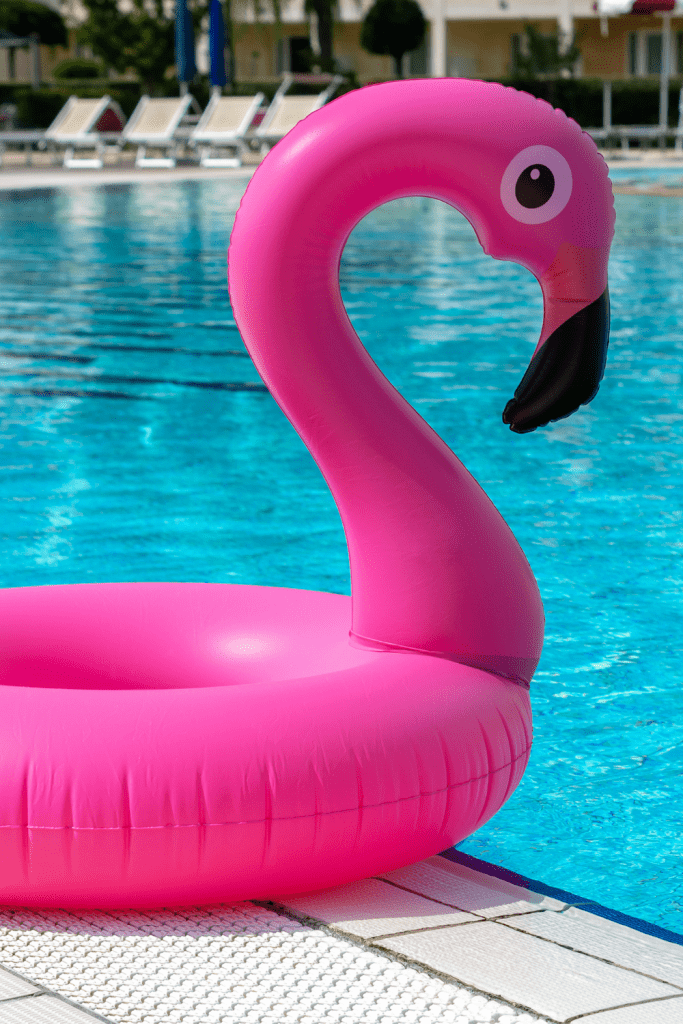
439	58
607	104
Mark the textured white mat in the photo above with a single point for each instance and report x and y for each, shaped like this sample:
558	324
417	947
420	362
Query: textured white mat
240	963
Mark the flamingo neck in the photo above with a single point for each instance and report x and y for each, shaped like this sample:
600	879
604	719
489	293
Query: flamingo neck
434	567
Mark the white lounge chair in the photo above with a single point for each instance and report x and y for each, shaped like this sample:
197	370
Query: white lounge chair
25	139
643	134
75	128
154	124
223	125
285	111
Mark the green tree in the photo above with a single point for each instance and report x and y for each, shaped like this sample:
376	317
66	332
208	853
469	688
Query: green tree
142	40
23	19
393	27
543	55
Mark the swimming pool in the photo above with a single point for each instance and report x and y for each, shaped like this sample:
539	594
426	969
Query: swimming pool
138	444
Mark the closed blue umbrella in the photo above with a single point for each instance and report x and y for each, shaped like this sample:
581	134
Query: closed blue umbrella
216	44
184	43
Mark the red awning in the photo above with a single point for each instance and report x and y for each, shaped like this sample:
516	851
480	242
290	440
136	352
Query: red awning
614	8
650	6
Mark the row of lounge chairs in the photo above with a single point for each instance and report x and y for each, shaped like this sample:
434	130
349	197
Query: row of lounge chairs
219	136
624	134
642	134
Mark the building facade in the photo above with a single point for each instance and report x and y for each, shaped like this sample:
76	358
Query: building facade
465	38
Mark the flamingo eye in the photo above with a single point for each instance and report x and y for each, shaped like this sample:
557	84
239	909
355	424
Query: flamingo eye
536	185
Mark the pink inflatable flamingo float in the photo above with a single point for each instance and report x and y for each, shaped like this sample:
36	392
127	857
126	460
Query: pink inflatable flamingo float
165	743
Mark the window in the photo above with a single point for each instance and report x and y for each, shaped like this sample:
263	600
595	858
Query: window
653	53
299	52
644	53
292	55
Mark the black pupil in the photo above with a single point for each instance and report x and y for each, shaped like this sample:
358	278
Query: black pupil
535	186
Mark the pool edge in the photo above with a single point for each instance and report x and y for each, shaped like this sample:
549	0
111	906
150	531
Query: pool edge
541	889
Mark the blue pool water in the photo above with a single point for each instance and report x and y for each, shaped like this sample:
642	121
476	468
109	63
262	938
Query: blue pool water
670	175
135	444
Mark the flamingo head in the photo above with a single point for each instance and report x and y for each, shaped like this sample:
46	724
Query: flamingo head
531	183
550	208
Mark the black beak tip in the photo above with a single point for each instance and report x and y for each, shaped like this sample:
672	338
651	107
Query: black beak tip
509	418
565	373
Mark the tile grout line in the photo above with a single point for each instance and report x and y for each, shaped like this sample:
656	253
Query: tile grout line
44	991
622	1006
593	956
452	906
414	892
414	931
27	995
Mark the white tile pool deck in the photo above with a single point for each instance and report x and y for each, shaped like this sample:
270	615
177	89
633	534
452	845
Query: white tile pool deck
436	942
439	941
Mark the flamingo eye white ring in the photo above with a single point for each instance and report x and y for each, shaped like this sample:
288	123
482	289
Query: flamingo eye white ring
537	185
170	743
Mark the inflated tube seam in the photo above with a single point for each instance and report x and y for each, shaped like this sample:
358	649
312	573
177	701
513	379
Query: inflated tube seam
261	821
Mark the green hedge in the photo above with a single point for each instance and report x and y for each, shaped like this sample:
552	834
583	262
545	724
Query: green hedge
633	102
37	108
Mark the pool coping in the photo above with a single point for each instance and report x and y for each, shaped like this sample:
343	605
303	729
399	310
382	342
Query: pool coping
22	179
589	905
17	177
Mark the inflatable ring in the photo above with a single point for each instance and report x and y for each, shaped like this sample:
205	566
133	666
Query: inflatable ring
167	743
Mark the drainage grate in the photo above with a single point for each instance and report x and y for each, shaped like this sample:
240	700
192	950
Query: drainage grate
241	963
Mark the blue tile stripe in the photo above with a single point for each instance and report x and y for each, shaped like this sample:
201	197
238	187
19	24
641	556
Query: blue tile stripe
541	889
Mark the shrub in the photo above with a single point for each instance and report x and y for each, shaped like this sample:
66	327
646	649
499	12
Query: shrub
77	67
38	108
633	102
393	27
544	54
